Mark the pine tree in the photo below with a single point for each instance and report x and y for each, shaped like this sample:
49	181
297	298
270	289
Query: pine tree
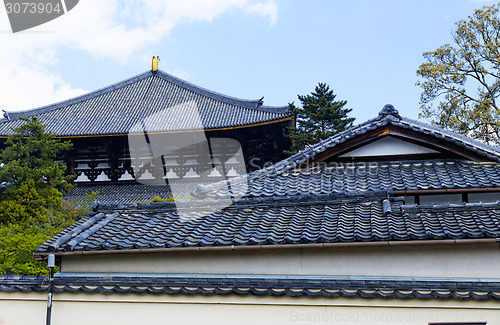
319	118
29	156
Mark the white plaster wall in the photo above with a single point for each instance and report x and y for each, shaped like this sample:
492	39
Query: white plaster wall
25	308
481	260
388	146
97	309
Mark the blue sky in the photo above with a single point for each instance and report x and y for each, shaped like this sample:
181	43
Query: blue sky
367	51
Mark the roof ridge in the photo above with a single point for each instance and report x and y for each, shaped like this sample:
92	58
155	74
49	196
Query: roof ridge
403	162
466	140
281	200
69	234
451	207
14	115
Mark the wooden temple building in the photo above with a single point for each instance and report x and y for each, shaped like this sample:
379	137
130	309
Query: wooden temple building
181	132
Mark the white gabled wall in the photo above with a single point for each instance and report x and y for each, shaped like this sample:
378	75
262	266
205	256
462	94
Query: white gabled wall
388	146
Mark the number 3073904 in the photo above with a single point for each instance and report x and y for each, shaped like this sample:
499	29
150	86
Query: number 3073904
32	8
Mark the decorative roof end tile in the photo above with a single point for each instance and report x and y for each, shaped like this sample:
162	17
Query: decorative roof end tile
389	110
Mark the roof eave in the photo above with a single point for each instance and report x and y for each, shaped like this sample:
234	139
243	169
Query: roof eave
474	241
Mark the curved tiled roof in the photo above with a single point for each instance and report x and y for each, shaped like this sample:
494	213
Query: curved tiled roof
361	177
275	221
118	108
262	285
388	116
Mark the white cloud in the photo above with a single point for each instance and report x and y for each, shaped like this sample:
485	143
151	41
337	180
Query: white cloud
116	29
32	86
267	9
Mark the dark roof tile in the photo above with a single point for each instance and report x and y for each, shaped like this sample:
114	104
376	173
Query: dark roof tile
421	175
297	220
262	285
359	177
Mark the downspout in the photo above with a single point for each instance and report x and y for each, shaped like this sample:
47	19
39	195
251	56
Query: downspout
51	264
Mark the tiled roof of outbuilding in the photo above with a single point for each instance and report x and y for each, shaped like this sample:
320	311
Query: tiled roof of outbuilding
361	177
388	116
117	108
275	221
263	285
287	176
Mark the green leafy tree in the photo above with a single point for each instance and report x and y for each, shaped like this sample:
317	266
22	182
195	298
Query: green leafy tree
19	240
320	117
465	77
31	205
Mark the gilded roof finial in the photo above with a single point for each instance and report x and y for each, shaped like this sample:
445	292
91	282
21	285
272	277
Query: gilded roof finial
154	65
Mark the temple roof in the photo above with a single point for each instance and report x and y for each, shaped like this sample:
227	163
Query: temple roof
116	109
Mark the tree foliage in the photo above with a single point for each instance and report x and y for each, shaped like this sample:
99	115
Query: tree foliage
19	240
31	205
320	117
465	77
30	154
